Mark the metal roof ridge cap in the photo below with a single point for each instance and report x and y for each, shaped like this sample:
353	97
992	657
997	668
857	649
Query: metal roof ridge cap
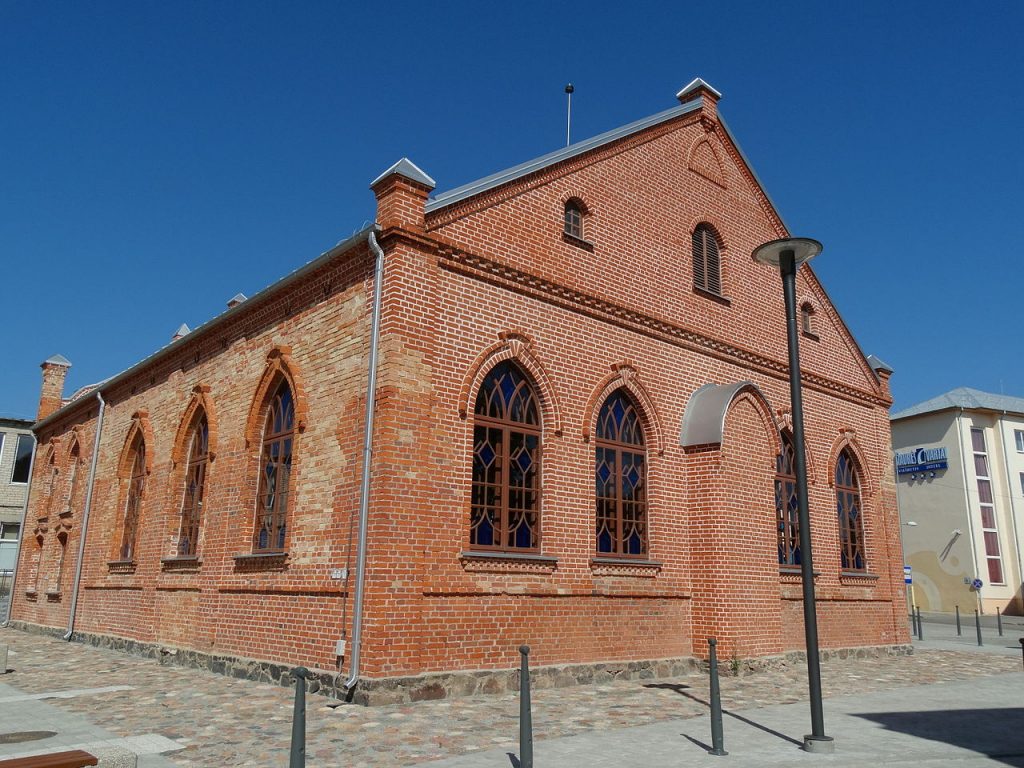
295	274
499	178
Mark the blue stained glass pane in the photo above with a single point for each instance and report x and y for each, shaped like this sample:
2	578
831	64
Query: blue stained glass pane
618	411
633	544
523	537
525	461
604	541
485	532
263	538
486	454
280	537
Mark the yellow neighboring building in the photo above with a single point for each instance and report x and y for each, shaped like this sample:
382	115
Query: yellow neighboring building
959	461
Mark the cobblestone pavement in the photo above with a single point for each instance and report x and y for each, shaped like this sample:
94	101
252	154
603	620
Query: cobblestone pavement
223	721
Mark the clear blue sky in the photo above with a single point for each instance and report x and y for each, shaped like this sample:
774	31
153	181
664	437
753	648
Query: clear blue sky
157	158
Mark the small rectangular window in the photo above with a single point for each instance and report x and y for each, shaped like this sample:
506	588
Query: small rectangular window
23	459
1022	482
9	531
1018	435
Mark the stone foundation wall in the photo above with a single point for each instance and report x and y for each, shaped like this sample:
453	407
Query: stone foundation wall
442	685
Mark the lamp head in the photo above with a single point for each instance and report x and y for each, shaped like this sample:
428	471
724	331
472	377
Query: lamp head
803	248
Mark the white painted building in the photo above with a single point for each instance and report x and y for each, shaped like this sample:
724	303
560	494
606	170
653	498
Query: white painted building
960	483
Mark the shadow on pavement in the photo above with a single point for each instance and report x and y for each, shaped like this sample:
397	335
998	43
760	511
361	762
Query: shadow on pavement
995	733
678	688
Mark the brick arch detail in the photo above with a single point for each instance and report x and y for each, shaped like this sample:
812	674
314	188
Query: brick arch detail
200	401
847	439
74	439
751	394
625	376
717	226
279	365
784	422
511	345
139	425
575	196
705	138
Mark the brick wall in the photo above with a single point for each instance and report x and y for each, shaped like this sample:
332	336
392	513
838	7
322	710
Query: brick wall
484	280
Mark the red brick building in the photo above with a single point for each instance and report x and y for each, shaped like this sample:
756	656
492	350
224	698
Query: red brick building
579	441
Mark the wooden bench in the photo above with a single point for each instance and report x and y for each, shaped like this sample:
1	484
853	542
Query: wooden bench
75	758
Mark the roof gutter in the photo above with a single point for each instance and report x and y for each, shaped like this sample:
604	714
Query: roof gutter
364	490
217	321
72	612
21	535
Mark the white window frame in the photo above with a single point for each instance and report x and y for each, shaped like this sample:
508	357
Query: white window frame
1018	436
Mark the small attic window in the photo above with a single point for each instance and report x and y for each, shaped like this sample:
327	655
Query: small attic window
574	213
808	326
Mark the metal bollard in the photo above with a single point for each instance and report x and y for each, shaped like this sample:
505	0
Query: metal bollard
3	659
999	622
1022	649
958	632
920	626
525	712
298	750
977	625
717	737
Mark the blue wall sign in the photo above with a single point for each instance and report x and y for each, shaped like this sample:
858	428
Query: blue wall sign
908	576
921	460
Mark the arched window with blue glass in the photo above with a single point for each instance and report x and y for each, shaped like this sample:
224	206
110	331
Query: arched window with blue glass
787	515
620	476
275	471
851	519
505	504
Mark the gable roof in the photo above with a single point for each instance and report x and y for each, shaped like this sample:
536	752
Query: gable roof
966	398
539	163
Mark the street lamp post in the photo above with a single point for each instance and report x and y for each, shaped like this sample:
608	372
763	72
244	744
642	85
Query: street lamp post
788	255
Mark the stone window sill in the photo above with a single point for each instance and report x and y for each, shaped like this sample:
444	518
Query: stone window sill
514	562
53	595
181	563
794	572
579	242
858	576
261	561
121	566
625	566
715	297
810	335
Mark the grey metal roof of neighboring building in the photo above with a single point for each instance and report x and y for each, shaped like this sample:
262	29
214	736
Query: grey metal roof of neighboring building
510	174
966	398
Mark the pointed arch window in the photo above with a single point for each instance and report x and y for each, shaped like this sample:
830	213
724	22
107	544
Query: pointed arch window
195	488
707	268
620	476
133	502
52	473
505	504
74	474
786	506
275	472
848	506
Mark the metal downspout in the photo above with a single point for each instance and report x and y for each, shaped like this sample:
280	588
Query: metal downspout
364	491
85	515
21	532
